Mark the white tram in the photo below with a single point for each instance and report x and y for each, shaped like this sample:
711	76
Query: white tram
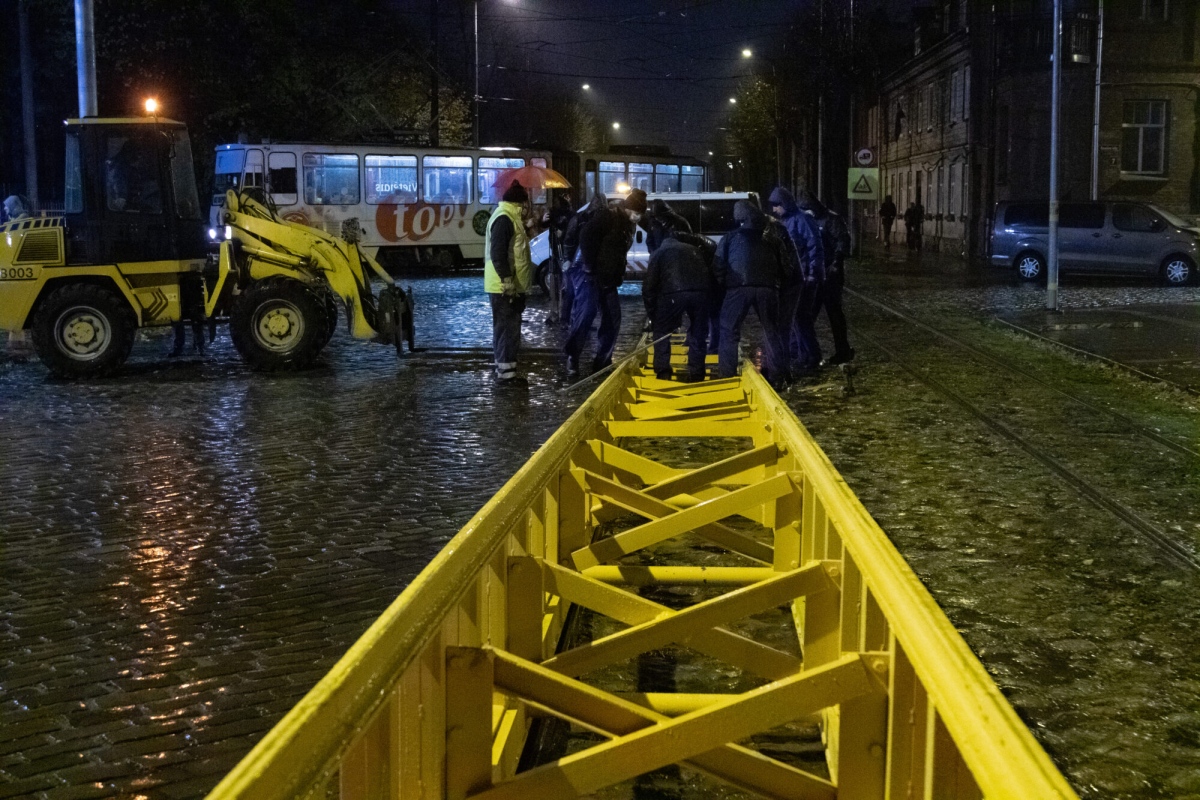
423	206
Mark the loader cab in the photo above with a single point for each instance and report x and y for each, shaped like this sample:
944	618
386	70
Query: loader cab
131	192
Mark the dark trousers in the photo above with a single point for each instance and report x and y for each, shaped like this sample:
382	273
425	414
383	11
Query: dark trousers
913	236
191	306
830	298
506	332
566	295
715	302
669	312
803	345
887	231
591	299
765	302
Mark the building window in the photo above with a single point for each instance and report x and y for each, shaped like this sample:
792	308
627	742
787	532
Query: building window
1143	137
966	93
1156	10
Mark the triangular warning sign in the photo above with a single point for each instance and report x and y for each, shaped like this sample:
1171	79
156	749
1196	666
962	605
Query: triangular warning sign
863	186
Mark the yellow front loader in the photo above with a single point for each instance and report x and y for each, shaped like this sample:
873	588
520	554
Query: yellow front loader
131	251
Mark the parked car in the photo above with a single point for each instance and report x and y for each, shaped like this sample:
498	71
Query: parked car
709	213
1104	238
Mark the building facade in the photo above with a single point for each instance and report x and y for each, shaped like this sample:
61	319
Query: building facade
963	122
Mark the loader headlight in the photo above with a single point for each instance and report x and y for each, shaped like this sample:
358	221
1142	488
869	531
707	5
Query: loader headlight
212	234
228	232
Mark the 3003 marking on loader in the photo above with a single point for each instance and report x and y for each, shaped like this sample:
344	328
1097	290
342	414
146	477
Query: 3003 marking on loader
17	273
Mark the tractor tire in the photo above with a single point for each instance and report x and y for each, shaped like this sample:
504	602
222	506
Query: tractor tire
279	324
84	331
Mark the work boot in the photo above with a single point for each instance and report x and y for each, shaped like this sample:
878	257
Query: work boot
572	367
839	358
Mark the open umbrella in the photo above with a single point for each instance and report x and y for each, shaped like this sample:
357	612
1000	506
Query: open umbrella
531	177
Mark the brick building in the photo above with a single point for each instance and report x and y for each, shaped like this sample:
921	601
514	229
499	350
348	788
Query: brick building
963	121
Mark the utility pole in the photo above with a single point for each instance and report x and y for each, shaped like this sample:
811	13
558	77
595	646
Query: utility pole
475	137
1096	103
27	124
1055	79
85	57
435	88
821	103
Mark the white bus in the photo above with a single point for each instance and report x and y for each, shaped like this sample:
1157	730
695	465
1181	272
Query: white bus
419	206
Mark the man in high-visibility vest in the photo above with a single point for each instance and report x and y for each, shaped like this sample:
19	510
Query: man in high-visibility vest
507	275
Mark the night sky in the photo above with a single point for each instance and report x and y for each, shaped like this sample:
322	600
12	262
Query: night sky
665	70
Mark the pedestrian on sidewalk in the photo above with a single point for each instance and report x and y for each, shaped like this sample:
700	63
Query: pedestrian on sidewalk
835	241
507	274
603	246
753	269
572	258
800	297
887	216
678	283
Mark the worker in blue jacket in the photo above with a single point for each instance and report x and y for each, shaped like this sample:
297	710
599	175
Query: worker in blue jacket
802	299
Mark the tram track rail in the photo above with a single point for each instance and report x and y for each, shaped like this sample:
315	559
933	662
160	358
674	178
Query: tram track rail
1172	549
1008	366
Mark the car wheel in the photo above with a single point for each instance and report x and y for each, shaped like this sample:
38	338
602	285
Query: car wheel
1178	271
1031	266
540	273
84	331
279	324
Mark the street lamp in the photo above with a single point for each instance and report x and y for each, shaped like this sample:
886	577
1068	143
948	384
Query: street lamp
733	100
587	87
747	53
616	126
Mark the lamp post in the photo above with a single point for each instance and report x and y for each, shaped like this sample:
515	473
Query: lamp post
1055	80
475	98
748	53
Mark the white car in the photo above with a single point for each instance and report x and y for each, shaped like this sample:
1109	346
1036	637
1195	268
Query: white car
709	213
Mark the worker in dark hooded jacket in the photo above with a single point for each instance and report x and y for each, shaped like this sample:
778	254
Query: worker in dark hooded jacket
802	299
603	246
678	282
752	269
835	240
661	222
571	256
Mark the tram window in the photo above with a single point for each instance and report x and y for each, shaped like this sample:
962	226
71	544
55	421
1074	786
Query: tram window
281	178
666	178
391	179
227	174
611	173
252	175
538	195
447	179
693	179
641	176
489	170
330	179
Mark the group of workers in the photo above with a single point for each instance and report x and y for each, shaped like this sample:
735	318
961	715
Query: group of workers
785	267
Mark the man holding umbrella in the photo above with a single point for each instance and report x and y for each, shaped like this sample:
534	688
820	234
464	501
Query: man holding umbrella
507	274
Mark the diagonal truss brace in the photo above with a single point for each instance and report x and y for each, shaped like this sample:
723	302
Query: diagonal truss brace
646	740
632	609
680	627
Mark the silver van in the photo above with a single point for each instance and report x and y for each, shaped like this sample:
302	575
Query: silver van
1113	238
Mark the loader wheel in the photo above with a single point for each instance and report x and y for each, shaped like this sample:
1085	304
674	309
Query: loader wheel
279	324
83	331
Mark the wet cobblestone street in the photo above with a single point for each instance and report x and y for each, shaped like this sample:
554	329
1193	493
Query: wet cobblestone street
187	547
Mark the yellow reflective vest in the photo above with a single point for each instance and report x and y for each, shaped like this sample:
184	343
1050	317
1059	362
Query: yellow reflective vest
522	262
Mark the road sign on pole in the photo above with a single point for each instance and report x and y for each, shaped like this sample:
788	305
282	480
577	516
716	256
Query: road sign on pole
863	183
865	157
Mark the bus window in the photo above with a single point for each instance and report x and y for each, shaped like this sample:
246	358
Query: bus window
447	179
489	170
538	195
693	179
689	210
641	176
666	178
281	178
611	173
330	179
228	173
391	179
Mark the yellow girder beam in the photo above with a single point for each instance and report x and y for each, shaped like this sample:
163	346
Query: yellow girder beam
734	394
632	609
654	509
735	428
702	477
695	734
678	576
645	469
681	626
682	521
615	716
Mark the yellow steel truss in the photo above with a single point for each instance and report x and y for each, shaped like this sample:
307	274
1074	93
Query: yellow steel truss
437	697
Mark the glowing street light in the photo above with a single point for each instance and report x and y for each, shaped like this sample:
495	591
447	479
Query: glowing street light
747	53
587	86
151	105
616	126
733	100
